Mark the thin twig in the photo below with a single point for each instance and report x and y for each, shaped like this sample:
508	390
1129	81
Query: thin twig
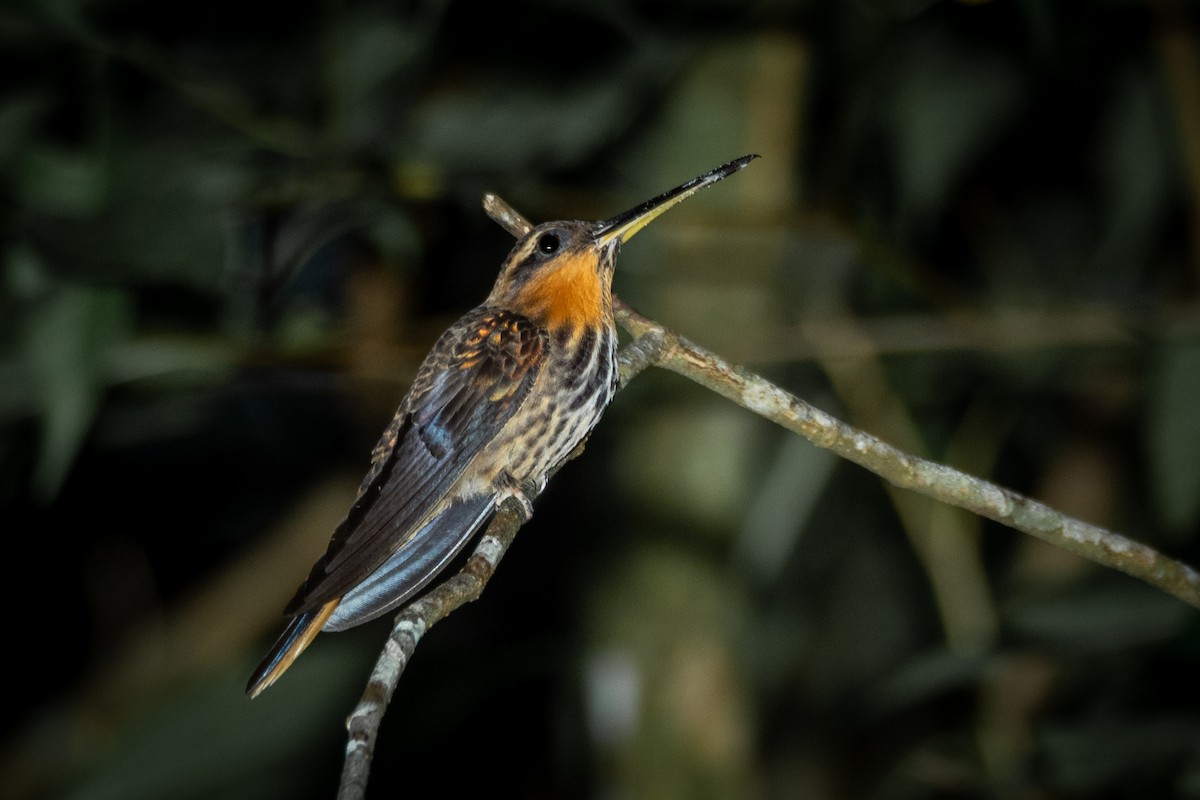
419	616
505	215
410	625
938	481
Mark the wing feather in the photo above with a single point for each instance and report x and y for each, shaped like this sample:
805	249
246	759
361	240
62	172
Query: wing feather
473	381
411	567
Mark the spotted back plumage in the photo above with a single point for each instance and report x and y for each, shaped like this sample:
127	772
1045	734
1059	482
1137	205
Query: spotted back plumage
470	385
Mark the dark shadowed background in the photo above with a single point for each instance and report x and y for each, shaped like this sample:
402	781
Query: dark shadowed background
230	231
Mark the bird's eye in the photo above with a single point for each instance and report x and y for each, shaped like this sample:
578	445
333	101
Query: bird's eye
547	244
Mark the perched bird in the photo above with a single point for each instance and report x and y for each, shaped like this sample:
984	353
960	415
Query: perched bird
507	393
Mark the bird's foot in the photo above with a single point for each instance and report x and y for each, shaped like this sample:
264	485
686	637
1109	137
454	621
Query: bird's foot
511	487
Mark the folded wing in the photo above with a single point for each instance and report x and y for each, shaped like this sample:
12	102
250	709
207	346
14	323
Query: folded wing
475	379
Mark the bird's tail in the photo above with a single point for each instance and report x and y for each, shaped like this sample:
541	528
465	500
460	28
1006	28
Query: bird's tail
291	643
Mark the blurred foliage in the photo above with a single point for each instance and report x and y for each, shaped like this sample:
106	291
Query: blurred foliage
230	232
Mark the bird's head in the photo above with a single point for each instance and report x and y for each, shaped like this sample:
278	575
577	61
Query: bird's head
560	273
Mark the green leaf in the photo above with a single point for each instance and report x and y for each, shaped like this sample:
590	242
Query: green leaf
1138	169
1174	436
950	105
376	50
209	741
56	180
20	115
1111	615
1086	758
65	345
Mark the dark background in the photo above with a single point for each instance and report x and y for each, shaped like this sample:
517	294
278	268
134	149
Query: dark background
231	230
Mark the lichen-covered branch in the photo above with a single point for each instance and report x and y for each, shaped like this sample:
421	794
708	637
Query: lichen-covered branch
902	469
410	625
655	345
416	618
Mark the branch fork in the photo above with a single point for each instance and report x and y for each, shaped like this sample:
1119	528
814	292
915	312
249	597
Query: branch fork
655	345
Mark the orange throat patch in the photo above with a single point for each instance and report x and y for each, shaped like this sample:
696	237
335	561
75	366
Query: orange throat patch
571	294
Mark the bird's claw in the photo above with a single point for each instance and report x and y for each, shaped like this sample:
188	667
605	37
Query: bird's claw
511	488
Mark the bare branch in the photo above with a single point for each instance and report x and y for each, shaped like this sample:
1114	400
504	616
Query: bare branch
419	616
505	215
410	625
655	345
938	481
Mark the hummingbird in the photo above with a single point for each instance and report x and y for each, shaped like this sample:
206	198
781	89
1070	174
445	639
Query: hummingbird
506	393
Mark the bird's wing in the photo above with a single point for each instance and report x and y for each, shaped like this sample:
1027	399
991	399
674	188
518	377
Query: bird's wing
410	568
470	385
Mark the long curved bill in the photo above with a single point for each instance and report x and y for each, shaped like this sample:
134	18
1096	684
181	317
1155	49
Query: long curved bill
623	226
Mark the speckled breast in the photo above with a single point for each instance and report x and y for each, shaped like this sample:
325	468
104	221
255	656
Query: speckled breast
576	384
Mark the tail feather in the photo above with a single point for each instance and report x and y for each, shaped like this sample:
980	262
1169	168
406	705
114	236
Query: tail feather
300	631
418	561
